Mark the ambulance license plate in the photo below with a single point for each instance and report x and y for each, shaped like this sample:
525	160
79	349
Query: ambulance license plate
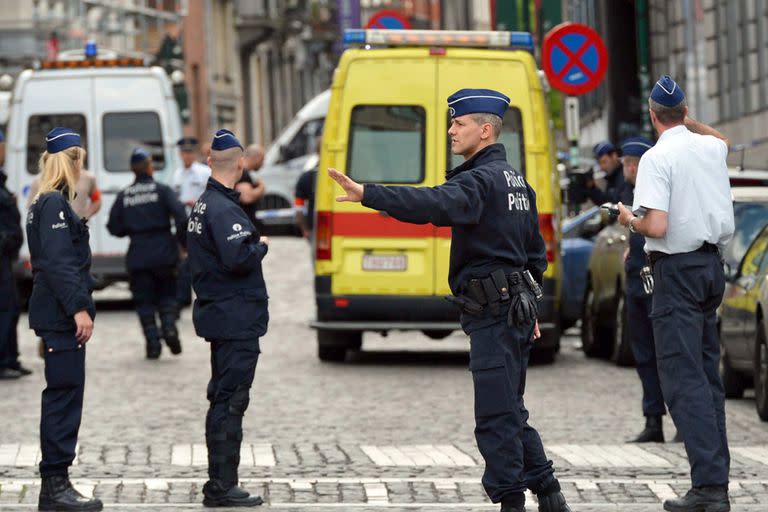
385	262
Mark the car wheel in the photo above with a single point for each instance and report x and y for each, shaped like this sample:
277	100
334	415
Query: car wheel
761	371
622	349
592	335
734	383
438	334
333	345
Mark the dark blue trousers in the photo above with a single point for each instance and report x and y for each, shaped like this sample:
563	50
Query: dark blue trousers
233	365
688	289
9	345
644	349
512	449
154	292
62	401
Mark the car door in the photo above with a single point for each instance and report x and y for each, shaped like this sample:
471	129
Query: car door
753	269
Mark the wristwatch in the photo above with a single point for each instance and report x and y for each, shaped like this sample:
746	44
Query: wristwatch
632	226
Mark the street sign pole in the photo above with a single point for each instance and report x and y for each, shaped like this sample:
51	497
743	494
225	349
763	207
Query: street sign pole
573	127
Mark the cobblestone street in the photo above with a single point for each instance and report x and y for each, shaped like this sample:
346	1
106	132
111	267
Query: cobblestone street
390	428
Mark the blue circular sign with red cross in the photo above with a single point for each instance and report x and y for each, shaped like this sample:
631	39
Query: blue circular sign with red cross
388	20
574	58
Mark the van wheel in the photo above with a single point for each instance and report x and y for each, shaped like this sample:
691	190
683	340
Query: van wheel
622	349
761	371
593	341
333	345
438	334
734	383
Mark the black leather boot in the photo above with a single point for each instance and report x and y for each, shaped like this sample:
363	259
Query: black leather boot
170	332
653	432
57	494
151	335
553	502
701	499
512	508
215	494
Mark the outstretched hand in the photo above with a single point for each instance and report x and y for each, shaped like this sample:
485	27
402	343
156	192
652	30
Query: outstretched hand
353	189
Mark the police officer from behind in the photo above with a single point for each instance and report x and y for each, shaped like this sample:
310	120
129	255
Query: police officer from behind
607	157
143	212
638	303
684	198
230	312
61	312
497	259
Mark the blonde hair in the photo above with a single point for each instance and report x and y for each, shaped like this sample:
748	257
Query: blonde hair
60	169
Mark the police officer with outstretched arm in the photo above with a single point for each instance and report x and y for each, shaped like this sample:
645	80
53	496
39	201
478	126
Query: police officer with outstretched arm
497	259
608	159
230	312
683	196
143	212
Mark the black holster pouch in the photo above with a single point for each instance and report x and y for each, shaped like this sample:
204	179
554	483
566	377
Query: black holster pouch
524	308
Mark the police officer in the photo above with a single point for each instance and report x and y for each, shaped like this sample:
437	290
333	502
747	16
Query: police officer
607	157
143	212
189	181
11	239
61	312
497	259
684	198
638	303
230	312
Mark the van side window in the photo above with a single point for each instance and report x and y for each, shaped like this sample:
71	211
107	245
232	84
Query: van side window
511	136
40	125
304	142
124	131
386	144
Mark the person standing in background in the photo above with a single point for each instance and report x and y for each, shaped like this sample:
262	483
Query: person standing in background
251	190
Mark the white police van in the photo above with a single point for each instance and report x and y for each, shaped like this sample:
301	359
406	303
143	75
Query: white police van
115	104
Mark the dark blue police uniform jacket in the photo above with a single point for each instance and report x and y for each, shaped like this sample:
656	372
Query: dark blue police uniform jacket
614	187
636	258
61	264
225	257
490	208
143	212
11	239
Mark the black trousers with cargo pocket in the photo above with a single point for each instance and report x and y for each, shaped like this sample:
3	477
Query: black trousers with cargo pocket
512	449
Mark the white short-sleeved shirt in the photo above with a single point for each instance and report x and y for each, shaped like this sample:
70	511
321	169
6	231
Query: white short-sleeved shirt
685	175
189	183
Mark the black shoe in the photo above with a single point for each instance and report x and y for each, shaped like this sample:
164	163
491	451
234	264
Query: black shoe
652	433
153	350
9	374
554	502
512	508
22	370
57	494
214	495
173	342
701	499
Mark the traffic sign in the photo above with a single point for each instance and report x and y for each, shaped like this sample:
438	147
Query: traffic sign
574	58
388	19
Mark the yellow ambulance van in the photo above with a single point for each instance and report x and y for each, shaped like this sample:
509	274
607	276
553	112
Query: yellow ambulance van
388	123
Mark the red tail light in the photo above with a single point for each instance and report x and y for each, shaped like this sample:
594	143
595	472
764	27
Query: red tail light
323	235
547	228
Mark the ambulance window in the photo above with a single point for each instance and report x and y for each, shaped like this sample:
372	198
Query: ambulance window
125	131
386	144
39	125
511	136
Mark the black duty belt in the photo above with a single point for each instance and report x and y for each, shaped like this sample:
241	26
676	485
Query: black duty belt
655	256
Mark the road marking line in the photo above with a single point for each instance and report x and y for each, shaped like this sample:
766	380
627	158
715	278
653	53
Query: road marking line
377	456
199	455
86	489
647	457
246	455
662	491
585	485
12	488
181	455
8	453
376	493
156	484
301	486
263	454
459	458
755	453
417	455
29	455
626	455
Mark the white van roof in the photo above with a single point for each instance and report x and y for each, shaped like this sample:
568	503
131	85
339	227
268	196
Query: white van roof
315	108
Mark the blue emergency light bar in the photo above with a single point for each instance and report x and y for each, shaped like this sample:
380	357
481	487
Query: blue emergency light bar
454	38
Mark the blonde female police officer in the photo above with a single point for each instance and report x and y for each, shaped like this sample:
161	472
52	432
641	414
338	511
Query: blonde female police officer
495	239
61	312
230	312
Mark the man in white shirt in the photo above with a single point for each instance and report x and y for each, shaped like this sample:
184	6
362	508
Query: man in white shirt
189	182
684	197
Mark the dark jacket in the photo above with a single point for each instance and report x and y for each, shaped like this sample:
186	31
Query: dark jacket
613	188
636	258
225	257
490	208
143	212
61	264
11	239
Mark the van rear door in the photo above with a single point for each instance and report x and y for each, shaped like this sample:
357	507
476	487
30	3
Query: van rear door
390	139
469	68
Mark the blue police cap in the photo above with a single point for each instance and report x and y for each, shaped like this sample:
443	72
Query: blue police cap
666	92
477	101
187	143
603	148
636	146
225	139
60	139
139	155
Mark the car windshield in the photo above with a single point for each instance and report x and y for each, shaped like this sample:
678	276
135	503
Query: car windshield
750	218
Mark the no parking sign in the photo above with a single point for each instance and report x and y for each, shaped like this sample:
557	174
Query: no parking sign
574	58
387	19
